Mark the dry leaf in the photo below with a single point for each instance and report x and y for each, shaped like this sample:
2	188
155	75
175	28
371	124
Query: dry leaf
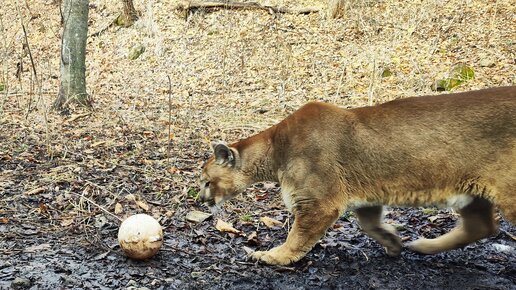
513	237
262	196
88	151
118	208
130	197
148	134
77	116
248	250
36	191
252	239
197	216
42	208
223	226
98	143
253	235
66	222
27	157
142	204
270	222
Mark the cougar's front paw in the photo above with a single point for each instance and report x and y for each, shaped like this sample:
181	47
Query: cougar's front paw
276	256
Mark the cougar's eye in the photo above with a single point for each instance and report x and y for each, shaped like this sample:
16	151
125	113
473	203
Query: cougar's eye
207	184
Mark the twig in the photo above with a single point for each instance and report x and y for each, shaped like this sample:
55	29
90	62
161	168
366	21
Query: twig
30	56
28	7
169	139
5	70
370	91
95	204
244	5
102	30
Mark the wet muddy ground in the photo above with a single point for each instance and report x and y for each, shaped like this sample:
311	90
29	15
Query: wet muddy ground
209	260
40	250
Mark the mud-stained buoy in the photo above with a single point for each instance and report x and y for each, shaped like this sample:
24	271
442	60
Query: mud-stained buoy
140	236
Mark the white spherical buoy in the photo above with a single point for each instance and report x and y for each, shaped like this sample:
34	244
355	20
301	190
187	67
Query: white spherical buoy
140	236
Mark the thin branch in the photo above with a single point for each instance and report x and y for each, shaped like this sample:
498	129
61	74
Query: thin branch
98	206
169	137
5	76
102	30
30	55
189	7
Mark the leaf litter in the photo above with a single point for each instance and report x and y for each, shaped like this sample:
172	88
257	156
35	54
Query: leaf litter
233	74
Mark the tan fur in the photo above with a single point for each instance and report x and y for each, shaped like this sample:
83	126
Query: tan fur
457	150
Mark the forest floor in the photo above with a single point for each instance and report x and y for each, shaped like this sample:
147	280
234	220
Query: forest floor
67	181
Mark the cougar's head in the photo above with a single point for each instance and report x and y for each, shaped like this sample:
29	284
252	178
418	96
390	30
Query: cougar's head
222	176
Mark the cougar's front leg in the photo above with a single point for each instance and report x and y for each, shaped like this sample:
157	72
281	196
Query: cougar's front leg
311	220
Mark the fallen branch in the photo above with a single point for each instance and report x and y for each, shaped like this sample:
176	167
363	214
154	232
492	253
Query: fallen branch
109	25
211	5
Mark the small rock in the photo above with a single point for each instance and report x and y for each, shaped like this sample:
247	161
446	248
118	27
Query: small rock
20	283
197	216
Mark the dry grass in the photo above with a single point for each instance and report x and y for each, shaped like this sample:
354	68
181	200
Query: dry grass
236	72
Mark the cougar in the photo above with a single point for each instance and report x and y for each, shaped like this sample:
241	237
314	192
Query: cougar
452	150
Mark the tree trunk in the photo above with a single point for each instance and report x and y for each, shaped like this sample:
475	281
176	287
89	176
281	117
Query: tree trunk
336	8
130	15
72	89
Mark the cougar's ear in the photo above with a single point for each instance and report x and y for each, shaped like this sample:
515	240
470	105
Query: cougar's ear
224	154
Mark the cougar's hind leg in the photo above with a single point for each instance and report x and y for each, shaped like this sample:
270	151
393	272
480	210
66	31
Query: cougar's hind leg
506	202
370	221
477	222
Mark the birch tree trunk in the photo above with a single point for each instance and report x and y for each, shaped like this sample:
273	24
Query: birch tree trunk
72	88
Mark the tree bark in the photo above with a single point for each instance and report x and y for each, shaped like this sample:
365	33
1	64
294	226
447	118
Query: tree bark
130	15
72	89
336	8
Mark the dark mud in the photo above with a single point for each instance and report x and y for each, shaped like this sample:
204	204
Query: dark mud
199	257
52	238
